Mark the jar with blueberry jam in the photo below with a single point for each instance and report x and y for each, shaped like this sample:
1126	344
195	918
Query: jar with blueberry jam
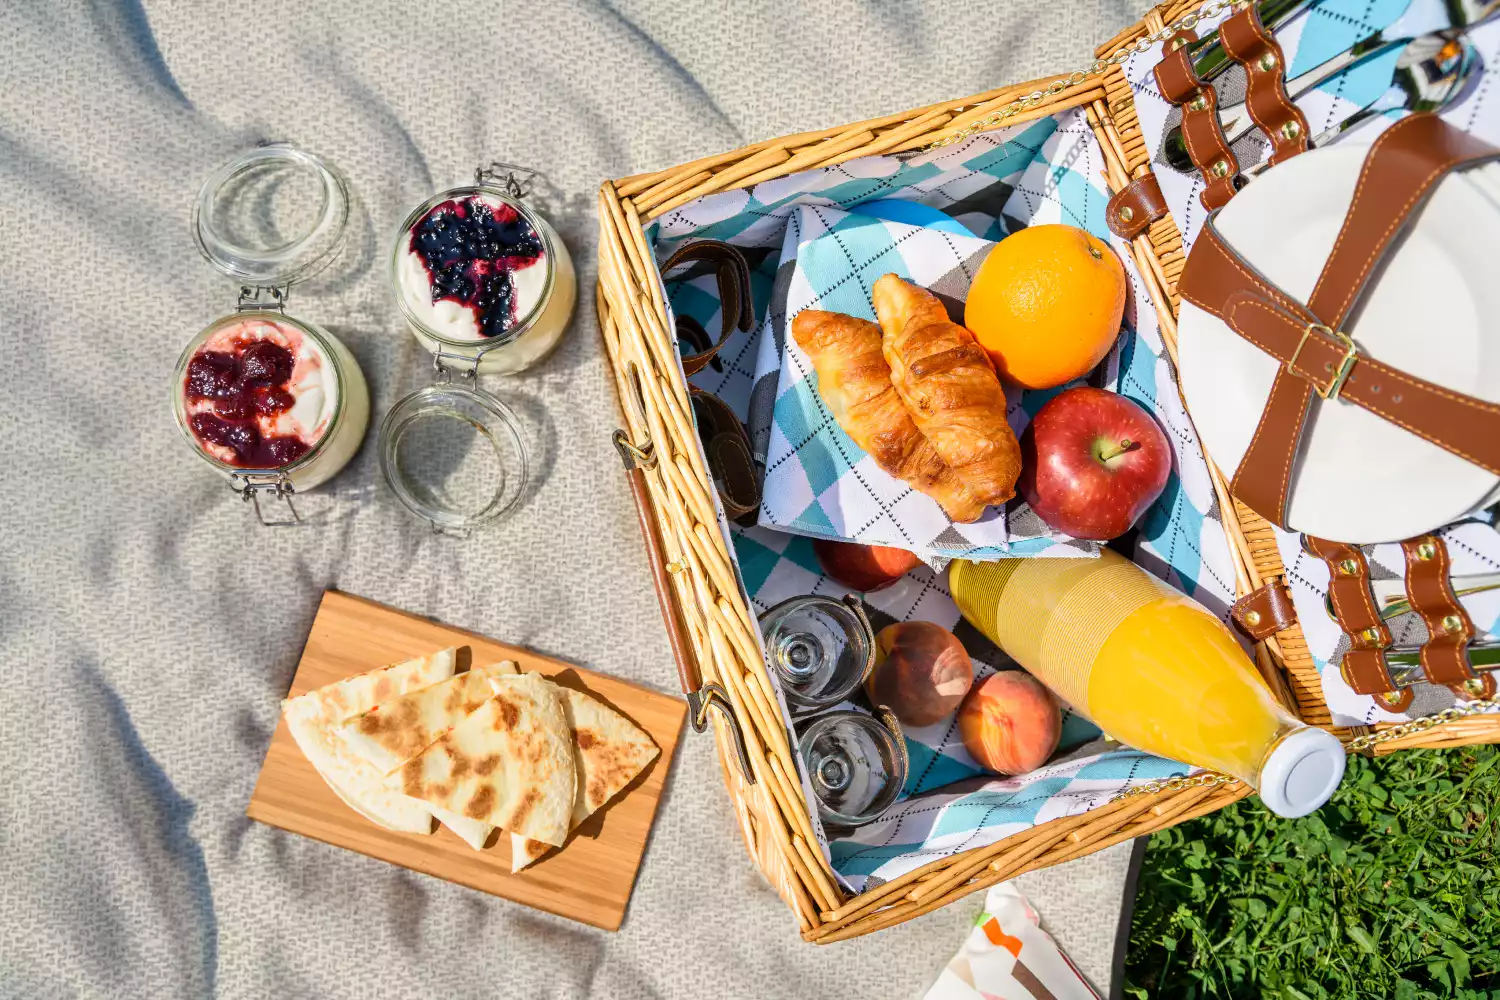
275	404
484	281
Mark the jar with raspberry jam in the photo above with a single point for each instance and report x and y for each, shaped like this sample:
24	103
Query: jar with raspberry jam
275	404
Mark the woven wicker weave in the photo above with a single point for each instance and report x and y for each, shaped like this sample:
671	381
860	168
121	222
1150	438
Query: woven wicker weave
721	627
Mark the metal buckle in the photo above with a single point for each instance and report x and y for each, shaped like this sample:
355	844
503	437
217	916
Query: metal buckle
1351	355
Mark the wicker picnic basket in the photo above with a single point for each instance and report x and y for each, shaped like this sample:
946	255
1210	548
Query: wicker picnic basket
716	626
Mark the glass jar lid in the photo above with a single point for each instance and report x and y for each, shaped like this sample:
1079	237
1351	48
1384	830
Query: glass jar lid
273	215
454	456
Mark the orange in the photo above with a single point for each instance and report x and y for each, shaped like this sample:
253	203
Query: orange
1046	304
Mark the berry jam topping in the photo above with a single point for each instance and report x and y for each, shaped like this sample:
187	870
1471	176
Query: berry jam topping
471	250
251	380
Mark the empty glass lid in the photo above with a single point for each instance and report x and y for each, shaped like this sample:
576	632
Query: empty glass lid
273	215
454	456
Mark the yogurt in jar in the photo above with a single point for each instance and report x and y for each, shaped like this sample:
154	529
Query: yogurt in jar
263	392
480	276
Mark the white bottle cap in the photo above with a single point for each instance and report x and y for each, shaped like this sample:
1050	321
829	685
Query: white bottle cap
1302	772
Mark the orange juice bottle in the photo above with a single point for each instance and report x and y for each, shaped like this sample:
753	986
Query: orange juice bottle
1151	667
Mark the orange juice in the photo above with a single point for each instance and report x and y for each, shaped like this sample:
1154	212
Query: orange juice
1151	667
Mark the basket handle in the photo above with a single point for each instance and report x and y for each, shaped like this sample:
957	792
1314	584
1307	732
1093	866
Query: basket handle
700	696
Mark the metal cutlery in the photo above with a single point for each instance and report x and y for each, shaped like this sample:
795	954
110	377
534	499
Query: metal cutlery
1430	69
1390	595
1210	59
1428	77
1405	665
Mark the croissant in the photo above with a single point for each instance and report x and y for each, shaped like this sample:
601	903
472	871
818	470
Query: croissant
950	388
855	382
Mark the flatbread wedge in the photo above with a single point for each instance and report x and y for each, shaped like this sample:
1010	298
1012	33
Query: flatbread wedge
314	719
396	730
509	764
608	752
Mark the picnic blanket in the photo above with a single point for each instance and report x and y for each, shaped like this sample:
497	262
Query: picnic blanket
148	630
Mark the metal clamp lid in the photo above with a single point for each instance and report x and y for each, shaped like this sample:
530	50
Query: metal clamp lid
278	485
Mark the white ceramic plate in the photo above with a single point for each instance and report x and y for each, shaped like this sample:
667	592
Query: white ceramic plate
1434	313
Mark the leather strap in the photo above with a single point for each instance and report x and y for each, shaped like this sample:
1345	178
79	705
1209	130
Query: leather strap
1401	170
1364	667
682	652
1444	656
1207	148
1135	206
1262	613
736	308
1248	43
1468	427
730	458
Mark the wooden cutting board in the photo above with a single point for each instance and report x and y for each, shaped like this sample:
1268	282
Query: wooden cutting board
589	879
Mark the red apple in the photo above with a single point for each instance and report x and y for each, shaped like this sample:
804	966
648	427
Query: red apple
863	567
1092	462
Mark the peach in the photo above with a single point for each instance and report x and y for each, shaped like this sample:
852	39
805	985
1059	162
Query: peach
863	567
1010	723
922	672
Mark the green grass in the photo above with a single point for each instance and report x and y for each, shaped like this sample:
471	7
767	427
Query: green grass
1391	890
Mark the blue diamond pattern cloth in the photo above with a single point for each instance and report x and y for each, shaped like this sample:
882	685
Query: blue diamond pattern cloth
1318	33
1041	172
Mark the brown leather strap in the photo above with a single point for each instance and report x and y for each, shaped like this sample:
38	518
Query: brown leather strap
1248	43
687	667
1206	146
1468	427
1364	667
730	458
1444	656
736	308
1262	613
1135	206
1399	174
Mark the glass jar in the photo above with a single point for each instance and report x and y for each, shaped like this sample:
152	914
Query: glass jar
484	282
276	405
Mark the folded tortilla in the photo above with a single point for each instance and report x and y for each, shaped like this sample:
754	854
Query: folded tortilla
608	752
509	764
314	720
399	728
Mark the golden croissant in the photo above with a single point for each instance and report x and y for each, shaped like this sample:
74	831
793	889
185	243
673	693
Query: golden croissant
855	382
950	389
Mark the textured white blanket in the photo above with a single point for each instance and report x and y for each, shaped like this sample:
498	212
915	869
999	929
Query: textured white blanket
148	630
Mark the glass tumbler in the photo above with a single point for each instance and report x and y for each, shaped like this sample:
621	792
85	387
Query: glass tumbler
819	649
856	766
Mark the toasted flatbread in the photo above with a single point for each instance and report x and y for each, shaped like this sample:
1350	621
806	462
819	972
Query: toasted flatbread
397	729
314	720
608	752
509	764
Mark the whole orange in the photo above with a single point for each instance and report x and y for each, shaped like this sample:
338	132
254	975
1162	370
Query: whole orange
1046	304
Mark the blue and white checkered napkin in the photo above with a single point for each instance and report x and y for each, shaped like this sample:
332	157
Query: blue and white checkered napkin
818	481
1317	34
